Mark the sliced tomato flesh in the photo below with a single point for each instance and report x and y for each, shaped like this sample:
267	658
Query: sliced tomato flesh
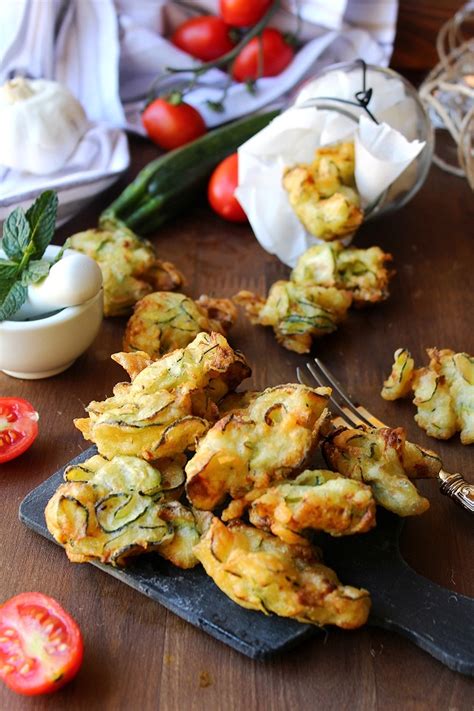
40	644
18	427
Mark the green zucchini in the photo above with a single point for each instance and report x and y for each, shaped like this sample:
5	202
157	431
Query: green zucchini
162	187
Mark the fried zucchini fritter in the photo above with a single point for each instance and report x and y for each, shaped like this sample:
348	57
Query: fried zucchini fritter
112	514
323	194
318	499
261	572
378	458
168	404
129	265
444	395
443	391
297	312
164	321
111	510
360	271
253	447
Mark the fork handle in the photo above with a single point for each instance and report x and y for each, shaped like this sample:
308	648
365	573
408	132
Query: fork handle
458	489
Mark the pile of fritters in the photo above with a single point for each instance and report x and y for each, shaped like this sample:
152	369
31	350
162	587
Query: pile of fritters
323	193
180	422
164	321
443	391
129	265
326	281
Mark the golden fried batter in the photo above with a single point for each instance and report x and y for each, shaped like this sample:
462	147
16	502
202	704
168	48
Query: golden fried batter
360	271
169	404
400	381
237	401
323	193
255	446
381	458
261	572
107	511
297	312
443	391
318	499
130	268
163	321
112	510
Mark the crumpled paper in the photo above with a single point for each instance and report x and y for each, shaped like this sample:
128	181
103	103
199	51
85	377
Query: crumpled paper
382	153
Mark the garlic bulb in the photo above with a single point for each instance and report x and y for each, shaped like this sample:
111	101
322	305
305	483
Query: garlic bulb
41	123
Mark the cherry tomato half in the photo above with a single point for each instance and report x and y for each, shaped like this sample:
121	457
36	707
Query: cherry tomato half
243	13
171	125
206	38
221	189
18	427
277	55
41	646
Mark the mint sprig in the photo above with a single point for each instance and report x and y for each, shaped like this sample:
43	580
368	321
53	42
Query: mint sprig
24	241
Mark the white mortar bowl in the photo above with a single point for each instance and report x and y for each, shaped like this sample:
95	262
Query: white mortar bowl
46	346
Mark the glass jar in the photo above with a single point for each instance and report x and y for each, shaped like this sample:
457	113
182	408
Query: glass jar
354	89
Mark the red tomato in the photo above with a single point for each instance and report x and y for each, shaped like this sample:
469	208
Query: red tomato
18	427
206	38
277	54
172	125
41	645
243	13
221	189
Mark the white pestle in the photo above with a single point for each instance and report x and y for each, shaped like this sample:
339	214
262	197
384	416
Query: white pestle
71	281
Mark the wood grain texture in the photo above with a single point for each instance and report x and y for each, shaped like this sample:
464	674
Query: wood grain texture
138	656
419	22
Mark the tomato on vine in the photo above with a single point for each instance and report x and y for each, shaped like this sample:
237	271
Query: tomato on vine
264	56
222	185
243	13
206	38
171	122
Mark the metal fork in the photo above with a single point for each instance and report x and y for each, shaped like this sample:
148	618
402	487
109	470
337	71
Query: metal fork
354	415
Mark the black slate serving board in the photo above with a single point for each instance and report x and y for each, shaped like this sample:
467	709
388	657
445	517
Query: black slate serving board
436	619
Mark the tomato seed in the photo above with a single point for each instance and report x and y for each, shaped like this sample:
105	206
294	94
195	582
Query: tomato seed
7	669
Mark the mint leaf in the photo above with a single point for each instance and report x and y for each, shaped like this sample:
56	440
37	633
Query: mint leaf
15	298
41	217
16	234
60	254
8	271
35	271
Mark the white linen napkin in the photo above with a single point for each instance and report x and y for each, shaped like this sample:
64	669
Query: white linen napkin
108	52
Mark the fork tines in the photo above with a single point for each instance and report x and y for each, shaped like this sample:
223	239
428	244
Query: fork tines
352	414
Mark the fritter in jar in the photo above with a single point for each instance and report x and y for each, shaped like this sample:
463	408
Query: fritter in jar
253	447
168	404
360	271
319	500
129	265
164	321
382	459
260	572
297	312
323	193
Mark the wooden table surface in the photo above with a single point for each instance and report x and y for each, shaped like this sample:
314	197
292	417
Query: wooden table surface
138	655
